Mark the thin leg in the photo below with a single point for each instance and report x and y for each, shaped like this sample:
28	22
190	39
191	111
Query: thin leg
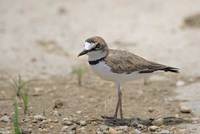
120	100
120	105
117	107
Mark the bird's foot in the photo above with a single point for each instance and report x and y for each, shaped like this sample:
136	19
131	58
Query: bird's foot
109	117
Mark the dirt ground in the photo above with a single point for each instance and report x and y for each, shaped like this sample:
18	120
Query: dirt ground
61	97
41	39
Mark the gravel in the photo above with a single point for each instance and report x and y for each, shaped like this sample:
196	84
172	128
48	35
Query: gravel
153	128
83	123
185	109
67	122
39	117
164	132
5	119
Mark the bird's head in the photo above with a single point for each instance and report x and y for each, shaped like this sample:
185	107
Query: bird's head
95	48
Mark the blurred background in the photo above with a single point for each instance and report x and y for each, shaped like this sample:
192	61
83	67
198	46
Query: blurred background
40	40
44	37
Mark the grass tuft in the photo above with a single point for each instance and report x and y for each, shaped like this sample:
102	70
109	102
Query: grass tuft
79	72
19	84
17	129
25	99
21	88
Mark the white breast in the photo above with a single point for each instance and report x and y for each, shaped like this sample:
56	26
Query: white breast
104	71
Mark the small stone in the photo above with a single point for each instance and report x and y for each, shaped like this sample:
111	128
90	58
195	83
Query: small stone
58	104
123	128
26	131
5	119
39	117
54	121
185	109
164	132
137	131
44	130
68	123
99	132
180	83
78	112
153	128
83	123
3	131
158	122
72	129
150	109
64	129
37	91
112	131
102	129
56	113
82	130
195	120
51	126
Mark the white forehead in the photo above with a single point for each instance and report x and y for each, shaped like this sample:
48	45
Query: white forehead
88	45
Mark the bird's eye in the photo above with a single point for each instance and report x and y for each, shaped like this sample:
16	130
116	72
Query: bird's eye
98	46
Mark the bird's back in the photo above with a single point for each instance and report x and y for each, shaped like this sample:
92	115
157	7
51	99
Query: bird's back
125	62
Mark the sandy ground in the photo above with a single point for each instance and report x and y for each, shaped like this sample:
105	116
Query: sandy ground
40	40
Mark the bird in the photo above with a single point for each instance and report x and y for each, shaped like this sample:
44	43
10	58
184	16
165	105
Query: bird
118	66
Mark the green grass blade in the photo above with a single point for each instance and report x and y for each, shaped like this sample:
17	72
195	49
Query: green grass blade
17	129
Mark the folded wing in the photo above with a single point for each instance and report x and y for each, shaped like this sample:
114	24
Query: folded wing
126	62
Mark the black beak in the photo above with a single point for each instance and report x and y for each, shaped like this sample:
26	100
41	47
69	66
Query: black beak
83	52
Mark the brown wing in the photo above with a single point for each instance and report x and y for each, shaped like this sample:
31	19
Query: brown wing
126	62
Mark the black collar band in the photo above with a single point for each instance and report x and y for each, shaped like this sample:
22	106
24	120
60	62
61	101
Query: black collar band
94	62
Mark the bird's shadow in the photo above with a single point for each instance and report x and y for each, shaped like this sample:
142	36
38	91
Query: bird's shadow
138	122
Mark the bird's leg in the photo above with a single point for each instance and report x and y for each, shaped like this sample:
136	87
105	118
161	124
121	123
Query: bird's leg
120	101
117	107
119	104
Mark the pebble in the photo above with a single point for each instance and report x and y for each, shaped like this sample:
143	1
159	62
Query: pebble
5	119
56	113
54	121
140	126
137	131
64	129
153	128
102	129
185	109
123	128
71	129
158	122
78	112
81	130
37	91
180	83
164	132
58	104
67	122
83	123
43	129
39	117
112	131
2	131
150	109
26	131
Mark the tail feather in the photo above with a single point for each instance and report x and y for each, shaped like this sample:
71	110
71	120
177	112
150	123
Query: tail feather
171	69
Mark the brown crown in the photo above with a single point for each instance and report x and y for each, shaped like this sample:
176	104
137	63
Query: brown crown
97	40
